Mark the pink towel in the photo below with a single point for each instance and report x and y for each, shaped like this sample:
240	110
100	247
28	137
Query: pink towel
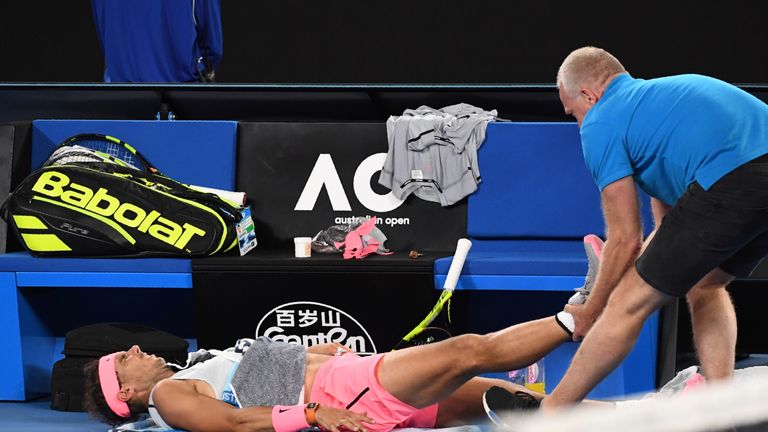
359	243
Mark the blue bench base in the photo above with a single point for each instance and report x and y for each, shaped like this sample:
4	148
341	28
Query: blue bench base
39	296
43	298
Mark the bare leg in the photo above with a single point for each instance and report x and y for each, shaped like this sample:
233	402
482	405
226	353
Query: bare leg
609	340
466	403
423	375
714	324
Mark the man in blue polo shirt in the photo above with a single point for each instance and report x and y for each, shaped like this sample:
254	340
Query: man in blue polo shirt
699	147
159	41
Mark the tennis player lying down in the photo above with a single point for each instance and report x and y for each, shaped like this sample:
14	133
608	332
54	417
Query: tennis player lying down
265	385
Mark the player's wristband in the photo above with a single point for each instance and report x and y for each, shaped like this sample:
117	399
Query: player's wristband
289	418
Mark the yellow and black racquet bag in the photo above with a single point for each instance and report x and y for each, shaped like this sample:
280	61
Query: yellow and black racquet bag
97	196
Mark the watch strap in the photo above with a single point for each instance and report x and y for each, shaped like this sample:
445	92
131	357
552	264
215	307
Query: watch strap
310	409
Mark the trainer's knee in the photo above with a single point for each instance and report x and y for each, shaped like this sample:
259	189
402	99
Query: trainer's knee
633	297
699	297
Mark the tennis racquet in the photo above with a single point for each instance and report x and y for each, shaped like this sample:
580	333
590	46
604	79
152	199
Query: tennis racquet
93	148
423	333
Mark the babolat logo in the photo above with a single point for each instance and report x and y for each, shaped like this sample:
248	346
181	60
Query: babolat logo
58	185
310	323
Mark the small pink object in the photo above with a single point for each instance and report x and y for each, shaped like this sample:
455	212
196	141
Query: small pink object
696	380
358	242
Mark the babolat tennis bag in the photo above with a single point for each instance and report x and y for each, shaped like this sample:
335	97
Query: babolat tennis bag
88	343
98	196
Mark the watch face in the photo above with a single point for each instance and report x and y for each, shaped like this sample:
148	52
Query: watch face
312	405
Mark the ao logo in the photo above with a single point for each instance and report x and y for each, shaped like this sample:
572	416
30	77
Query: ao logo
310	323
324	173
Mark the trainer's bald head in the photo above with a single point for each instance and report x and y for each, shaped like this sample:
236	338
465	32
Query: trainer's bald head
589	67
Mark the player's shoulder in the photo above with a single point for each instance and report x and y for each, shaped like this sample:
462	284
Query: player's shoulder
169	389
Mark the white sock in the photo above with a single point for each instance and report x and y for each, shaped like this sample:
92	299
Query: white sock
565	320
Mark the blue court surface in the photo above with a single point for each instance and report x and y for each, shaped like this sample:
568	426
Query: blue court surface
37	416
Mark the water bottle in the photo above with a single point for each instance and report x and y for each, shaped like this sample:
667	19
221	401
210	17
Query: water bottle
531	377
534	377
519	376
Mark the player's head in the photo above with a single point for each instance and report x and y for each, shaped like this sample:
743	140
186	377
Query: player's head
117	385
582	77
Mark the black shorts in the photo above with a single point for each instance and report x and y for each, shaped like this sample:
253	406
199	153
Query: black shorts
725	226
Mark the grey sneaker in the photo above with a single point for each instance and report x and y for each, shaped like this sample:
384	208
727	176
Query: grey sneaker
498	401
593	246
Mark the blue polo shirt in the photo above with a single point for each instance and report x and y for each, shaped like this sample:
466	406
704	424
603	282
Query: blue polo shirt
669	132
158	40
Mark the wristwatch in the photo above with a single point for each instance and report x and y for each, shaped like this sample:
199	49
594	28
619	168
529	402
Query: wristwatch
309	411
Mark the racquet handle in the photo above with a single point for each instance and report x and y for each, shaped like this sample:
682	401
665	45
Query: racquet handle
462	248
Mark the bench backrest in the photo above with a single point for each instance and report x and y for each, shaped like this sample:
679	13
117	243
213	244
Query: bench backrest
534	185
193	152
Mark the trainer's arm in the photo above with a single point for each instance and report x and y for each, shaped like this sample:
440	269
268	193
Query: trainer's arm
659	210
621	211
182	407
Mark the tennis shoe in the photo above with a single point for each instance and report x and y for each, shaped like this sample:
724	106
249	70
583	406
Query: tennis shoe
593	246
498	401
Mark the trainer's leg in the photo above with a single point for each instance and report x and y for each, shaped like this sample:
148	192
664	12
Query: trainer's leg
609	340
423	375
713	321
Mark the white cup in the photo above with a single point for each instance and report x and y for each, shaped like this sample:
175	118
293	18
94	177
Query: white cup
302	247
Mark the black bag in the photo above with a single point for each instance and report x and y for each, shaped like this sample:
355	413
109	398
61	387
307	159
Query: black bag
97	196
91	342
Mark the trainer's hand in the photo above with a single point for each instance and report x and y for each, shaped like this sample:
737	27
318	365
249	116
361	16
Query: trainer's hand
331	348
583	317
336	419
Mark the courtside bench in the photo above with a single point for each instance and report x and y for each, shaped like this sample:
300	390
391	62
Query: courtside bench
525	242
42	298
526	222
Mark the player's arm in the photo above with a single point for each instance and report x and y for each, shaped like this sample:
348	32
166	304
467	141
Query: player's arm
621	211
182	407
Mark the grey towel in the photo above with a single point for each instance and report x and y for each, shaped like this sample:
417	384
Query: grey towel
270	373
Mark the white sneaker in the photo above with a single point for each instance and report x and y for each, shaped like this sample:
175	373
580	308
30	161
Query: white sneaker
593	246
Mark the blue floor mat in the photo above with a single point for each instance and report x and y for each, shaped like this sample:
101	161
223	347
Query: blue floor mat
38	417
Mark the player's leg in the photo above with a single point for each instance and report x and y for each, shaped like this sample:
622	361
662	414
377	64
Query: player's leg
423	375
465	405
